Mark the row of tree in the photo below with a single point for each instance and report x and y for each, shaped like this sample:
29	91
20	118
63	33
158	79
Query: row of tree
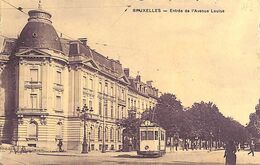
201	121
253	126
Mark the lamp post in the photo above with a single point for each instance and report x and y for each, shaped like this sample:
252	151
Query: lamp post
103	135
83	115
211	136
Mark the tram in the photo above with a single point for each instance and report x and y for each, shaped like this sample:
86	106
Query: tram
152	140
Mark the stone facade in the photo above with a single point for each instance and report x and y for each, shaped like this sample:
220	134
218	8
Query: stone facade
44	79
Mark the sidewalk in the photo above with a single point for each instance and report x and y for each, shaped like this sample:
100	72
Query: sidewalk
89	154
197	157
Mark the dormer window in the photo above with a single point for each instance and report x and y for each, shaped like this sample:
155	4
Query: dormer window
74	48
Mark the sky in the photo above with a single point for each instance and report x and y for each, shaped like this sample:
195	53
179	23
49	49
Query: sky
196	56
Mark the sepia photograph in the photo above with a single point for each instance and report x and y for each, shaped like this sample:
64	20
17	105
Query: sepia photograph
132	82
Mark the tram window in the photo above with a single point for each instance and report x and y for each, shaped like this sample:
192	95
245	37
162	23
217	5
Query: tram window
162	136
156	135
150	135
143	135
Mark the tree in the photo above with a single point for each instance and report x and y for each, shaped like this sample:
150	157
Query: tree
131	131
253	126
167	113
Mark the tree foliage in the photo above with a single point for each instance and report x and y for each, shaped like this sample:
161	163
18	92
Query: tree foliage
253	126
202	120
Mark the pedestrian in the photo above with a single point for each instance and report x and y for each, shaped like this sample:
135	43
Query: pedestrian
60	145
13	148
186	145
230	153
252	148
176	146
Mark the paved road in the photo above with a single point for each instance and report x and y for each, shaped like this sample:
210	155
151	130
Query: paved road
129	158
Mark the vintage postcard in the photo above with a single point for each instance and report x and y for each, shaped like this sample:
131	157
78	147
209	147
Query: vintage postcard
130	82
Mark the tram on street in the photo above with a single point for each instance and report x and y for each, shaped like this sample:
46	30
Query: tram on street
152	140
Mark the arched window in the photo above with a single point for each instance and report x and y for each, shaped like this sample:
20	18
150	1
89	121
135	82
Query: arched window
112	134
32	130
59	130
99	133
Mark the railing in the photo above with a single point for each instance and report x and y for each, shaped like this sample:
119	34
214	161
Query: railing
122	102
100	118
33	84
58	87
32	137
59	110
88	91
31	111
132	108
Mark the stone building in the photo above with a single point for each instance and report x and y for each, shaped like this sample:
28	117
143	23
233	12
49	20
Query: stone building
45	78
141	96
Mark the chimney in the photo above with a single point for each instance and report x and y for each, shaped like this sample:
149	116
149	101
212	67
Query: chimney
126	71
138	78
83	41
149	83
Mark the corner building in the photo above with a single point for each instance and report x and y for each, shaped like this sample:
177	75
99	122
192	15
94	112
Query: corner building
44	79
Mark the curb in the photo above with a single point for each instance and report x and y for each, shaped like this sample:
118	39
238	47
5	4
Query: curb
61	154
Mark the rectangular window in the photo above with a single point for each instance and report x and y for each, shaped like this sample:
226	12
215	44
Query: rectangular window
32	130
143	135
58	103
156	135
33	101
90	104
123	94
59	131
119	135
112	91
92	147
106	88
118	93
162	135
150	135
100	87
122	113
85	84
91	84
74	49
105	108
58	77
84	101
34	75
112	110
100	107
106	134
118	109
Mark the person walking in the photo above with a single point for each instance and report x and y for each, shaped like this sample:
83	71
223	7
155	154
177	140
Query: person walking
230	153
252	148
60	145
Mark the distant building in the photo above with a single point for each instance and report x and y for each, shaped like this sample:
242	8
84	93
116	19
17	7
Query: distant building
141	96
44	79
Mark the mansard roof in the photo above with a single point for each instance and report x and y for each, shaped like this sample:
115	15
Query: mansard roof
136	81
39	32
8	46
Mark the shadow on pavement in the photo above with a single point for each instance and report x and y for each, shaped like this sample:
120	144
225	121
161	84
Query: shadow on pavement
128	156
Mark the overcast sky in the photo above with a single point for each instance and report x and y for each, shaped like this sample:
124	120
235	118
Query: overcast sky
197	56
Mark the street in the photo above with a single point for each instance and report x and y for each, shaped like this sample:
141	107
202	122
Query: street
190	157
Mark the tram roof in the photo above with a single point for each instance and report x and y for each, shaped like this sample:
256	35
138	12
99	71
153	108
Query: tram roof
148	123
